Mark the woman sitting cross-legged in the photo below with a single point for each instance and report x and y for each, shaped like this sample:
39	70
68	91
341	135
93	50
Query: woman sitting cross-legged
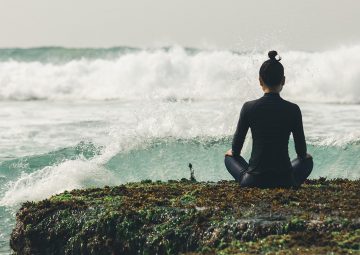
271	120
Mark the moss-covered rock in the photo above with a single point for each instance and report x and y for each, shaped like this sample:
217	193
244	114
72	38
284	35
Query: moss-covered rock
195	218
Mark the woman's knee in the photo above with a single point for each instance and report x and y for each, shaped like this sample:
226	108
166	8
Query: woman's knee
302	171
301	163
235	167
308	164
229	161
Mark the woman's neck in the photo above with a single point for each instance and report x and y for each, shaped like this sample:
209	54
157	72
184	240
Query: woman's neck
277	89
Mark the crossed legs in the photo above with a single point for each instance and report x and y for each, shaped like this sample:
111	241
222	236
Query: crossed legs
238	166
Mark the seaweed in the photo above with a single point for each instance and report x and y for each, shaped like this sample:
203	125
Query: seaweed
187	217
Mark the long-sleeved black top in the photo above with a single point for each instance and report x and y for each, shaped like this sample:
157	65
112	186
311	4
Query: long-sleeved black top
271	120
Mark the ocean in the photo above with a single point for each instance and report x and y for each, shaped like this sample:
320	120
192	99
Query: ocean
77	118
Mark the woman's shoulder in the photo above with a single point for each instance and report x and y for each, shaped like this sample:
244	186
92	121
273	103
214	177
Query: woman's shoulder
290	104
252	102
249	104
294	108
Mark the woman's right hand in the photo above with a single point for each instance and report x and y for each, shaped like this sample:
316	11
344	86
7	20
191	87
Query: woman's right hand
229	153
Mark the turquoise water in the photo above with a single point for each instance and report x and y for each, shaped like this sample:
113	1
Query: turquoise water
76	118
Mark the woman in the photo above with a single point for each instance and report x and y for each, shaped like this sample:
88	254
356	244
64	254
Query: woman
271	120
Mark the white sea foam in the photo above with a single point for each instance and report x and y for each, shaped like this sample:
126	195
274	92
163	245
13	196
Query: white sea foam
329	76
161	121
68	175
56	179
352	138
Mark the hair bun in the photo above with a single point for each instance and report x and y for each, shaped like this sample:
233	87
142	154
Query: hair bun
272	55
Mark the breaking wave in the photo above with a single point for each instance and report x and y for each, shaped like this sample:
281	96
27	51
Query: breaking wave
173	74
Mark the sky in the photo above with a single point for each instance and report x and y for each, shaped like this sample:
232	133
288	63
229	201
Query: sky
232	24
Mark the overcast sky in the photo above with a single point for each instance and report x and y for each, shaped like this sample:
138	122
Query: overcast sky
235	24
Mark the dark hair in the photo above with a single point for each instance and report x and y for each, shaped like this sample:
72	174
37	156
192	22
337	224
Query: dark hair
272	71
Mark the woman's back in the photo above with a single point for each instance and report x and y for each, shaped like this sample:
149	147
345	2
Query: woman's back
271	120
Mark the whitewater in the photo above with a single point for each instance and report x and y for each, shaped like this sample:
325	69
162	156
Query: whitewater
76	118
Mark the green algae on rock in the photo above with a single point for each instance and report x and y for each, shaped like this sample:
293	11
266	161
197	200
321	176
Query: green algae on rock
193	218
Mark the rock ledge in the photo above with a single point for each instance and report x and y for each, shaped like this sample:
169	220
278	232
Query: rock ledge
193	218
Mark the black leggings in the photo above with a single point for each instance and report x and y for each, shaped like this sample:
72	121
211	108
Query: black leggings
238	166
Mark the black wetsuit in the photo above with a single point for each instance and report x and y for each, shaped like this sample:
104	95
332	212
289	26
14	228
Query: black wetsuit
271	120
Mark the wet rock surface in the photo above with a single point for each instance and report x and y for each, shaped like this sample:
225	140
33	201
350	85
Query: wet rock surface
176	217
